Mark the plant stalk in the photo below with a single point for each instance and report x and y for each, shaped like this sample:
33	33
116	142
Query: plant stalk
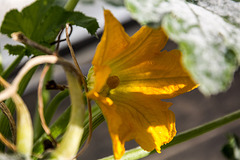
70	5
68	147
24	141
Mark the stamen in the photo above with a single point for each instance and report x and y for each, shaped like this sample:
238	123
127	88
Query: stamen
113	82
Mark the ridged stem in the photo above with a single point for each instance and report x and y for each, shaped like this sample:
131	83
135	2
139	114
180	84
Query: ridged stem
24	141
68	147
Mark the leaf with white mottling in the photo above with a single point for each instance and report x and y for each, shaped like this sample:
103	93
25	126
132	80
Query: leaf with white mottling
228	9
112	2
115	2
210	44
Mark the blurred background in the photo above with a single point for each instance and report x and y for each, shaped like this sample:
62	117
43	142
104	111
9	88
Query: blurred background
191	109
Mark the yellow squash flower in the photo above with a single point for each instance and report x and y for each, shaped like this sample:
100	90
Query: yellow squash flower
130	76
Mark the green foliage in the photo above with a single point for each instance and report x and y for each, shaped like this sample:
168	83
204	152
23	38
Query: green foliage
231	150
209	40
17	50
41	22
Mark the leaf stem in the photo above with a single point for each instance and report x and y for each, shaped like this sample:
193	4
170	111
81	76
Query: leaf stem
20	37
138	153
13	65
70	5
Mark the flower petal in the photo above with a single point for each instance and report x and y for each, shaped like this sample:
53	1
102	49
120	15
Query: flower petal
162	74
141	117
114	39
131	75
143	45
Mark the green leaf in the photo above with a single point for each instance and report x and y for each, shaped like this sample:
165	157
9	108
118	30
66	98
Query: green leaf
231	150
210	44
17	50
79	19
42	21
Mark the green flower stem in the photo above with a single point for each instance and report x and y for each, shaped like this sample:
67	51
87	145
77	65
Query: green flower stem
13	65
24	142
70	5
68	147
138	153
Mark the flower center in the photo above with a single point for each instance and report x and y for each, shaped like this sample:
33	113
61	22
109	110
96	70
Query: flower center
113	82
